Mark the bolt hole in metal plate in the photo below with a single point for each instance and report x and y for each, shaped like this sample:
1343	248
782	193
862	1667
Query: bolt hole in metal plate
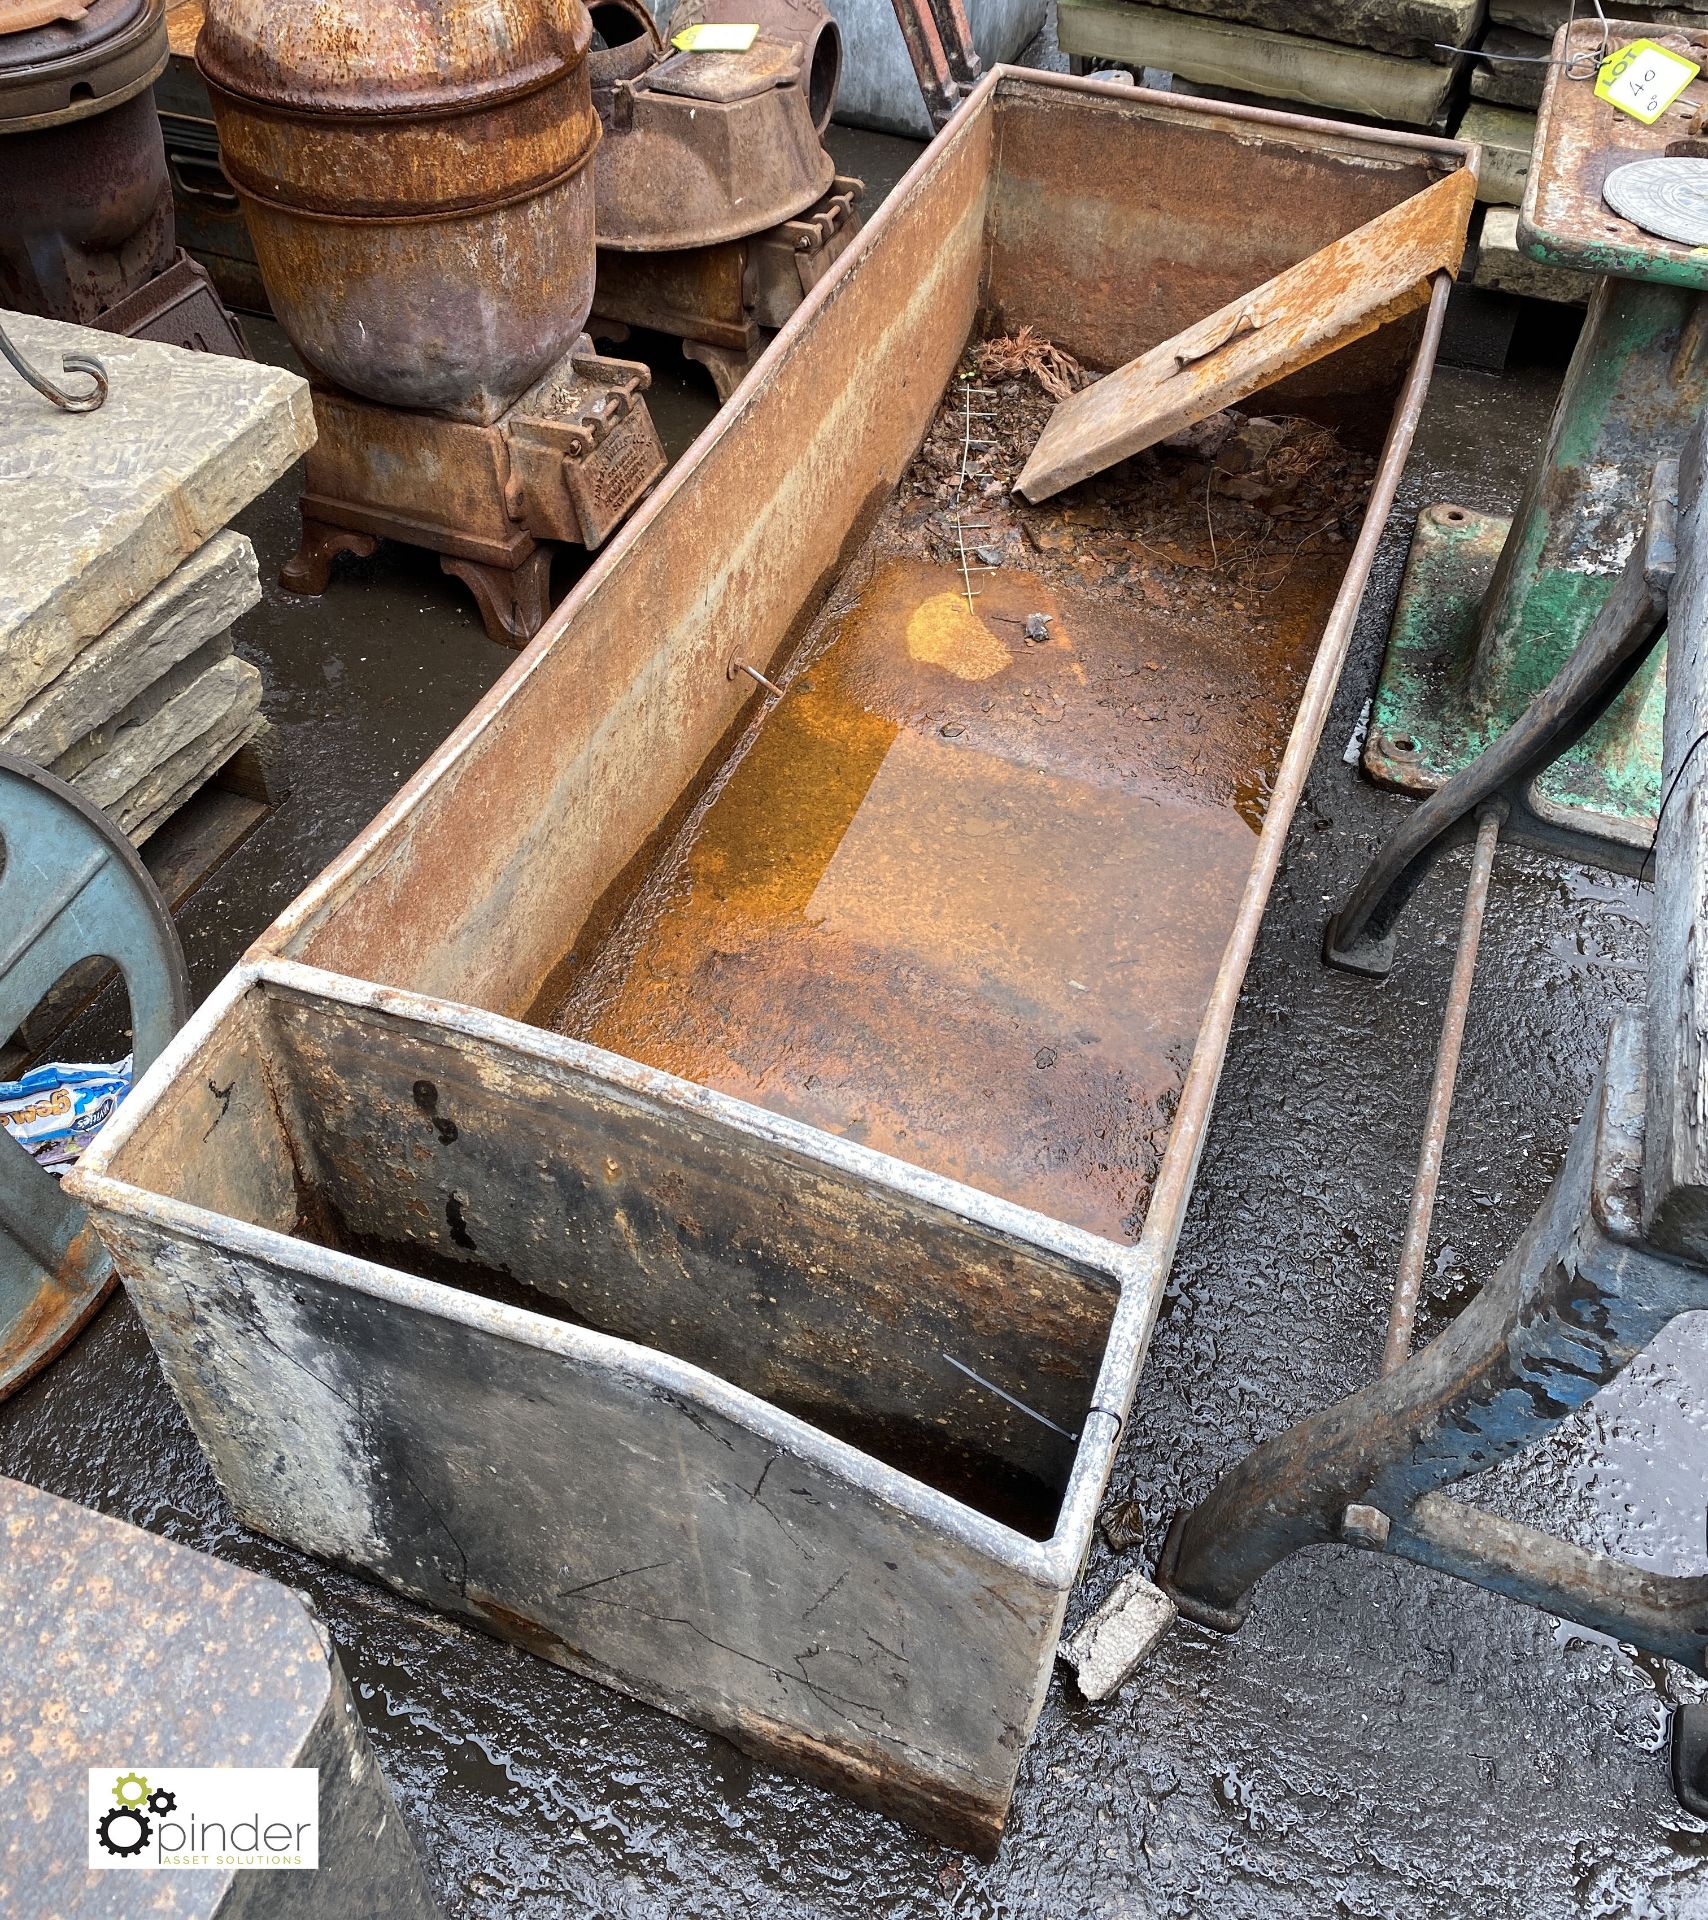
1664	196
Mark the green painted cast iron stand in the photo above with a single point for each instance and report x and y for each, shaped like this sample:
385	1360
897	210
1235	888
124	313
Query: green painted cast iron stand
1491	608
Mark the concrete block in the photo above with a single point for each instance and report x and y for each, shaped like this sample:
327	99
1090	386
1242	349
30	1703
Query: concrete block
101	507
1502	268
1517	81
1414	29
130	1654
160	793
198	600
1110	1647
1507	138
1282	66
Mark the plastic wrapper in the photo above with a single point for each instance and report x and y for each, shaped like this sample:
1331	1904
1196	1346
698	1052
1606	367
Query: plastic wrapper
54	1111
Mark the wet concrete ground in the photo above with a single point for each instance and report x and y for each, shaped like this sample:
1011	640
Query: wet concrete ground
1378	1740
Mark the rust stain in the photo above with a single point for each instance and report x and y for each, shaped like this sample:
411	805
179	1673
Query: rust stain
952	899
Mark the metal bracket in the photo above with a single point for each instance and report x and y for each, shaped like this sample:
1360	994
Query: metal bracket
1360	938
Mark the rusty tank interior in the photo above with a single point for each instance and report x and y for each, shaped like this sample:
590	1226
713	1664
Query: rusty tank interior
862	902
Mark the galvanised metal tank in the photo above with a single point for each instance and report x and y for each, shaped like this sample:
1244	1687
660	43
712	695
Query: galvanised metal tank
416	178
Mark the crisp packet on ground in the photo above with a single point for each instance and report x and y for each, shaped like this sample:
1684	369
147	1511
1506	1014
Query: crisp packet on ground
55	1111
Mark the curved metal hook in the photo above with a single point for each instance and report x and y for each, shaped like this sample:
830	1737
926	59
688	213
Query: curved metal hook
85	402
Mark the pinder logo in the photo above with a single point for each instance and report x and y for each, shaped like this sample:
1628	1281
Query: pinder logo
220	1817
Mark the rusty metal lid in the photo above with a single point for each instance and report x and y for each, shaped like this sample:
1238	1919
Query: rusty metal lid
801	23
57	64
397	57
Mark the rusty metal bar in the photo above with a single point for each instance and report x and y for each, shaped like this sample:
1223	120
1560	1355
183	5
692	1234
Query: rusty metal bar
939	42
1402	1310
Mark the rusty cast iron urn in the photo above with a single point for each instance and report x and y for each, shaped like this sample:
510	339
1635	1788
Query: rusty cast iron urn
85	200
415	175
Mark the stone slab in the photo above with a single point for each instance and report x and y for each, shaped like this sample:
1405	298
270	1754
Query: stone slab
218	583
196	694
1507	137
128	1652
159	795
1517	82
1546	17
1502	268
101	507
1415	29
1279	66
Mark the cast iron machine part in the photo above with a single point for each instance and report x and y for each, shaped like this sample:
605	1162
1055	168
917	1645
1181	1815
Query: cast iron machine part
1617	1250
417	180
71	886
86	232
1490	607
719	209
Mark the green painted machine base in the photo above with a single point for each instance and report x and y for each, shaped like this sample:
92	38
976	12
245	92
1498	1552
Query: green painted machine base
1426	722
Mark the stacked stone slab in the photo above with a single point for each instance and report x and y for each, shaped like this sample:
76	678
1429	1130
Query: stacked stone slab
1383	60
119	580
1521	33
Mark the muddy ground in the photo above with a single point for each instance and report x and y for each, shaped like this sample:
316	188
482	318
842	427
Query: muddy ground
1378	1740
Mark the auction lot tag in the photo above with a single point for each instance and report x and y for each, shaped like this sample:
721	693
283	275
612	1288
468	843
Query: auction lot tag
718	38
1644	79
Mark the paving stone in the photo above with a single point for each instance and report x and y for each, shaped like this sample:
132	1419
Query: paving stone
121	731
217	584
1417	29
1517	81
154	800
101	507
1507	137
122	760
1281	66
1502	268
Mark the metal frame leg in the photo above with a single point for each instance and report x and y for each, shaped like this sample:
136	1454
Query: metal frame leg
940	44
1572	1305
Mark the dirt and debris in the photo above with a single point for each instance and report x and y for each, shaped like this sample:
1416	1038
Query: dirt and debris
1224	512
1007	354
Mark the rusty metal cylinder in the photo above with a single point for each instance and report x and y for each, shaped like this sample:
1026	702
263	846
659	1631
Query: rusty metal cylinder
85	198
416	181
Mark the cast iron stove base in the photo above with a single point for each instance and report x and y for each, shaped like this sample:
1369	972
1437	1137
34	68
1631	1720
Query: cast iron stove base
564	465
724	302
